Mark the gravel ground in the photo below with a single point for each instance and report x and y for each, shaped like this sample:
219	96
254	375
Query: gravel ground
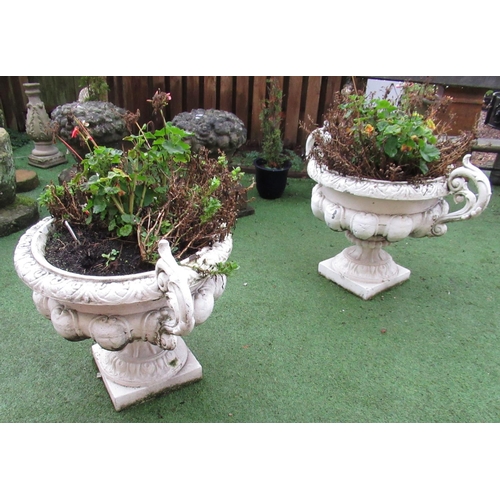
484	131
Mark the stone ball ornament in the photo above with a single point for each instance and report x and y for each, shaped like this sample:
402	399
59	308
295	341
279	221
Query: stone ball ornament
104	120
212	129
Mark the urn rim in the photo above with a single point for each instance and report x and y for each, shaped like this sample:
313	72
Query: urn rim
374	188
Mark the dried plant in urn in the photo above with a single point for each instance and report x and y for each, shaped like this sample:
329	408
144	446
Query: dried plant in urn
375	138
154	190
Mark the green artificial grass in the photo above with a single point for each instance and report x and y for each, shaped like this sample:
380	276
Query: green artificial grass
284	344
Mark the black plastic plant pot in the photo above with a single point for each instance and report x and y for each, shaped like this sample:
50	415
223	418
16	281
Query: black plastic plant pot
271	182
493	114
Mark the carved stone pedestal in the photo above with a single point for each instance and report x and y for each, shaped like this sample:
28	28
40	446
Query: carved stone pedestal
45	153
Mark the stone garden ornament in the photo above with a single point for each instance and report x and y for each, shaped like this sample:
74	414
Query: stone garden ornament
45	154
213	129
104	121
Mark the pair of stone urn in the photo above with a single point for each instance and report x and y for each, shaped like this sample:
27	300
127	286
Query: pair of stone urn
137	321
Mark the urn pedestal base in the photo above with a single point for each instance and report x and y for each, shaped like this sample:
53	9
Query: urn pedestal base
123	397
360	288
364	269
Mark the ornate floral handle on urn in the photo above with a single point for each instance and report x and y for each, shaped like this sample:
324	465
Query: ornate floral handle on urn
310	140
178	315
458	185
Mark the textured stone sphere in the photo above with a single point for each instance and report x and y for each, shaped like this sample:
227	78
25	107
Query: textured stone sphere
213	129
105	121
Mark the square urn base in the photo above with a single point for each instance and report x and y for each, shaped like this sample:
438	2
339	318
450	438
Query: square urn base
362	289
122	396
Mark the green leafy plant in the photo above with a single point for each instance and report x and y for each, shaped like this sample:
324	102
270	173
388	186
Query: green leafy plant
416	92
111	256
226	268
271	117
153	189
377	139
18	139
97	87
122	185
404	138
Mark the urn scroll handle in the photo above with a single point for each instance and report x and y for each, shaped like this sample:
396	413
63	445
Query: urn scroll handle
458	186
311	138
173	283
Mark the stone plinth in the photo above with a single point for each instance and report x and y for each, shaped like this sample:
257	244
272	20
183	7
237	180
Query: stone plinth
19	215
123	396
46	155
26	180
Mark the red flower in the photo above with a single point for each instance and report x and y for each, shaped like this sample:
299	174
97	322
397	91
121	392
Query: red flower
75	132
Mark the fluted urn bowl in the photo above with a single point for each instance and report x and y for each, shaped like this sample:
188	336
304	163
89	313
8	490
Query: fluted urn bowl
136	320
375	213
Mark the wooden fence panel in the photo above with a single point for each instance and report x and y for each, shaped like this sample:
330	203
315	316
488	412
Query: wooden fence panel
258	95
115	85
55	90
311	105
175	107
210	92
242	95
242	98
12	101
193	93
293	101
226	94
333	84
158	84
236	94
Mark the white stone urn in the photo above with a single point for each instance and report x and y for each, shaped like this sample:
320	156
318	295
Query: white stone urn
375	213
136	320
